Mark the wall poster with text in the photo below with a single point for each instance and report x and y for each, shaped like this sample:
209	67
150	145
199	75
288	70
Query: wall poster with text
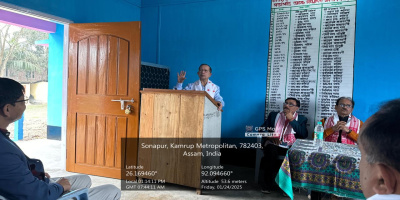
310	55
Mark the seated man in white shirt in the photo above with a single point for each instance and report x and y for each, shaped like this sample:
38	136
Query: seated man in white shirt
380	153
204	84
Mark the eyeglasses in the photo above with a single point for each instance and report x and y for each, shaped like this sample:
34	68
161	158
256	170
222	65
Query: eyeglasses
205	70
25	100
345	105
288	104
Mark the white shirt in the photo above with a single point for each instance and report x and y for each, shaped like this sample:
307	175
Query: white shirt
192	86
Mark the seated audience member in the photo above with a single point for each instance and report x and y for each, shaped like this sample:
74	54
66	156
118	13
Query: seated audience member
16	179
380	154
203	84
342	126
289	126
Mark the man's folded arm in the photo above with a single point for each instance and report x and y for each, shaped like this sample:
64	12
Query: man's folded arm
354	135
328	131
300	127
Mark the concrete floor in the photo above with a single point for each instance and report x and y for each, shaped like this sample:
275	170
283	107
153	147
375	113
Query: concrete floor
49	151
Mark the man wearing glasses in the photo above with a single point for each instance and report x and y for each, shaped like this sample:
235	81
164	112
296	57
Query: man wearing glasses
286	126
17	181
342	126
203	84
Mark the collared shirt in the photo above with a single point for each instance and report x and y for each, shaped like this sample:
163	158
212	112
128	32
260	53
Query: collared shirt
190	86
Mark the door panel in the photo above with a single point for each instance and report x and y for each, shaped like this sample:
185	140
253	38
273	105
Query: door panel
100	140
104	65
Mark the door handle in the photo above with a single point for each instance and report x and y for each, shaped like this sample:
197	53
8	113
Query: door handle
123	102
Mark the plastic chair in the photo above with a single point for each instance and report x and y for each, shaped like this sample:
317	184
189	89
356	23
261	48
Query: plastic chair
81	194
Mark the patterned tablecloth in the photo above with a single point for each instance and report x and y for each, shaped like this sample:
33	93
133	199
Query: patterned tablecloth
333	170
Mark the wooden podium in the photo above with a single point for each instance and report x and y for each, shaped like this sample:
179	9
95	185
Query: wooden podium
171	117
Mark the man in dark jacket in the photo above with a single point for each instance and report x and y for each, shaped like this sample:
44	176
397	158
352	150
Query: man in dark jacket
285	127
16	179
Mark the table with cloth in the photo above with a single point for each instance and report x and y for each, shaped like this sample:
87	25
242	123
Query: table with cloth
333	169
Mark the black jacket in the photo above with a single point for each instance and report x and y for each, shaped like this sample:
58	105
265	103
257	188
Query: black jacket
299	126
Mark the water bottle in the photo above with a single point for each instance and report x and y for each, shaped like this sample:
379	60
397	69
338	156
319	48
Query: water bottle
319	135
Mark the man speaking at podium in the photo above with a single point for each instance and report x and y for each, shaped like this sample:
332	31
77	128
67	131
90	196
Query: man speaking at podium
204	84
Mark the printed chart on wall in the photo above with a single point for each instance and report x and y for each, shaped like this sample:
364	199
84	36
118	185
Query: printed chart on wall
311	55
